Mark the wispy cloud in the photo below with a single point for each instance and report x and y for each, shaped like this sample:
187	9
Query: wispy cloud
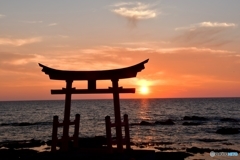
122	4
19	63
52	24
144	43
207	24
134	11
192	80
19	42
33	22
2	15
103	57
179	50
63	36
205	34
113	52
16	58
194	49
216	24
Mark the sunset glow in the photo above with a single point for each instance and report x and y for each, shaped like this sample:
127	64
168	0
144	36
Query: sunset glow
144	90
192	46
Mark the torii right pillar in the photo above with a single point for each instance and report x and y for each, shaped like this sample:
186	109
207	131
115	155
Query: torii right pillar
117	114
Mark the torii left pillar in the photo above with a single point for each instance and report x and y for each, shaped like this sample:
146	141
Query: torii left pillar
117	114
66	120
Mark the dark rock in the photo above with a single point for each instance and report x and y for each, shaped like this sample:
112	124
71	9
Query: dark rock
132	144
208	150
191	123
25	124
49	142
134	124
211	140
11	154
95	142
145	123
172	155
5	124
228	131
225	150
227	143
194	118
141	146
198	150
23	144
164	143
167	122
164	148
228	120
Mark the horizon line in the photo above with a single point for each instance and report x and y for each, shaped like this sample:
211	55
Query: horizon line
112	99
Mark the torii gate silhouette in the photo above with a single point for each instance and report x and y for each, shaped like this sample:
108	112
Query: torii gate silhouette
92	76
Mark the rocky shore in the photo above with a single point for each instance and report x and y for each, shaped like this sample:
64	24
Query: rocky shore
93	148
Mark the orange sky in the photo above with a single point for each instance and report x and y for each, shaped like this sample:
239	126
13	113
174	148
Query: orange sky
193	50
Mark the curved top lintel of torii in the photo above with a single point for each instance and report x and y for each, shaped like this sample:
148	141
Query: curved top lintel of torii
121	73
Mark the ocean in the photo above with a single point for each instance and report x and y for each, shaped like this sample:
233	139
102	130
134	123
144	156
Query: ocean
25	120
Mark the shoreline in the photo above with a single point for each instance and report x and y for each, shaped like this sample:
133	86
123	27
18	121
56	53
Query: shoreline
37	149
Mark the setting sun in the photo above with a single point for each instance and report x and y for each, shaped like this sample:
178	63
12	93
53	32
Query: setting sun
143	86
144	90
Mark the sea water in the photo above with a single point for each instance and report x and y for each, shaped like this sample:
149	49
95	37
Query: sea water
25	120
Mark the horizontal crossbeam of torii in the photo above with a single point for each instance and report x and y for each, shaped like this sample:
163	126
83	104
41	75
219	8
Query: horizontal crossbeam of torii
92	76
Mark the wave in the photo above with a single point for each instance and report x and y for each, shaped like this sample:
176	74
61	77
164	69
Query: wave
26	124
187	120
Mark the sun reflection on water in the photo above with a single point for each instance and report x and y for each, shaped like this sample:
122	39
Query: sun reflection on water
144	110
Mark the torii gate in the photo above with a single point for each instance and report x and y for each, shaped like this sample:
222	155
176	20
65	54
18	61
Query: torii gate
92	76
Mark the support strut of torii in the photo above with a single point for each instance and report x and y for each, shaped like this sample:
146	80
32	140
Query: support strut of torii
92	76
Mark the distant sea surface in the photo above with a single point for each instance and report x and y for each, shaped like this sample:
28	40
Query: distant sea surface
24	120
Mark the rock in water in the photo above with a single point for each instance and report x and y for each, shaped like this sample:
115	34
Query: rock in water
167	122
191	123
194	118
228	120
228	131
145	123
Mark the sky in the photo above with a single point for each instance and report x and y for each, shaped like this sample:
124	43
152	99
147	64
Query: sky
192	46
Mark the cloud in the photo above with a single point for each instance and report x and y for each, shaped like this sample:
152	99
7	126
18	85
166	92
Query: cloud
134	11
205	34
108	57
52	24
193	80
2	15
144	43
96	58
63	36
139	49
32	22
179	50
19	63
19	42
216	24
207	24
16	58
193	49
122	4
100	57
113	53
